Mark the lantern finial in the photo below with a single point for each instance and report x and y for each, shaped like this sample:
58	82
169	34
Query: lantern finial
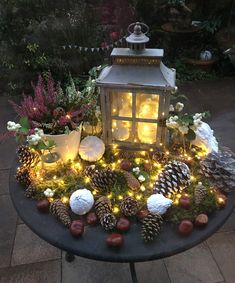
137	39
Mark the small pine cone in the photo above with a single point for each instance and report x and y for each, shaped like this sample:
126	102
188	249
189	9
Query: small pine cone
102	206
27	156
103	179
30	191
61	211
129	206
151	226
89	171
160	156
200	193
108	221
23	176
131	180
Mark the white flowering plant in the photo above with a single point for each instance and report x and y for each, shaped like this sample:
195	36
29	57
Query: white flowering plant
35	138
184	124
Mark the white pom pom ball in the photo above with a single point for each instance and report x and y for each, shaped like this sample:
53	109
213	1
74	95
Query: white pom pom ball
158	204
81	201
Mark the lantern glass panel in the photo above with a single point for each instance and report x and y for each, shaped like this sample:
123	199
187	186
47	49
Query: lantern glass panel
147	106
121	104
122	130
146	132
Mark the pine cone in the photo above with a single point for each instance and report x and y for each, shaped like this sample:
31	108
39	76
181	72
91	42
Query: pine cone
160	156
173	179
219	168
27	156
102	206
151	226
23	176
89	171
129	206
108	221
200	192
103	179
131	180
30	191
61	211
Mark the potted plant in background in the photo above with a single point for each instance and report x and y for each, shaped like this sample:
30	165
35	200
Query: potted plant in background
57	115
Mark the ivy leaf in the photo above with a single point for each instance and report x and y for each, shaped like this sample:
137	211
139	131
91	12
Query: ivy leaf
24	122
190	135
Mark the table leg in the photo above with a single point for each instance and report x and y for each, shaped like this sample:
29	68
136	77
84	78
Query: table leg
69	257
133	272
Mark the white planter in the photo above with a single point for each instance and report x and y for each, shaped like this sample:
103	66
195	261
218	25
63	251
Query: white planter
66	145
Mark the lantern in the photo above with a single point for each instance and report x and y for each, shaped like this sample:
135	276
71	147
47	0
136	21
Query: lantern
135	94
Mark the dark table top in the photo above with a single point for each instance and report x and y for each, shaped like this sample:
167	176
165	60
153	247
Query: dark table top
92	244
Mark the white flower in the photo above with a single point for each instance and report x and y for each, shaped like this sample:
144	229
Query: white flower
172	122
136	170
183	130
49	193
197	116
93	81
197	123
12	126
39	132
88	88
33	139
141	178
179	106
99	68
171	108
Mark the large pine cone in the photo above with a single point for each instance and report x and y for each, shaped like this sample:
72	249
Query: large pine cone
102	206
27	157
173	179
151	226
129	206
101	179
131	180
220	169
200	192
61	211
89	171
108	221
23	176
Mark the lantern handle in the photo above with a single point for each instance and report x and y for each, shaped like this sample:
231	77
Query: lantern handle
137	28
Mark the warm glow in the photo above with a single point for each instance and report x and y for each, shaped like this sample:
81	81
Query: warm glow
120	197
115	209
142	188
65	199
130	194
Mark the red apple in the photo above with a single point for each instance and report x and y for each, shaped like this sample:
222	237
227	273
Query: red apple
43	205
115	240
201	220
76	228
185	228
123	224
91	218
185	202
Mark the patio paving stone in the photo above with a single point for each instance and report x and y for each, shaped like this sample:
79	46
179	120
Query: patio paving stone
194	266
4	182
7	232
43	272
222	246
29	248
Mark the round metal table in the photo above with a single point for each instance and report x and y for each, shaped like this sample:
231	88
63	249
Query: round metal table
92	244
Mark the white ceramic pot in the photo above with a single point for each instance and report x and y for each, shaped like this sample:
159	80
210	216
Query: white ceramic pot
66	145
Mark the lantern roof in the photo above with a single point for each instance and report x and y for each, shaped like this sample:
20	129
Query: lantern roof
137	69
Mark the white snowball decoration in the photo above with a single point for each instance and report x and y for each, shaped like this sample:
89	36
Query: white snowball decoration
81	201
205	55
205	138
158	204
91	148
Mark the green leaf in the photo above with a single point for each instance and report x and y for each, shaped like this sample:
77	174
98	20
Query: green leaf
24	122
41	145
190	135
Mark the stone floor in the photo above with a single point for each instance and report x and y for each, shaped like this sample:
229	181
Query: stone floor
25	258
